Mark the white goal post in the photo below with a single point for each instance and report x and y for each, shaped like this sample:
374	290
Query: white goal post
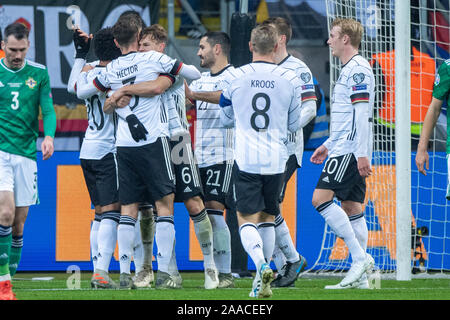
406	212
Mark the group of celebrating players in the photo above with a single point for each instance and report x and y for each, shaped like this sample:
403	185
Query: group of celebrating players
138	160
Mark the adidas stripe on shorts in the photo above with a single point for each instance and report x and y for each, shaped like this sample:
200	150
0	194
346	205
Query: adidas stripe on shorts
341	175
218	183
187	173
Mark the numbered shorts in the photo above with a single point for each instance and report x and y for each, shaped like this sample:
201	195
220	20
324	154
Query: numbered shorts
341	175
101	179
187	173
257	192
18	174
145	172
217	181
291	167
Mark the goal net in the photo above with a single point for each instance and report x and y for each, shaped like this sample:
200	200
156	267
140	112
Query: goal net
430	229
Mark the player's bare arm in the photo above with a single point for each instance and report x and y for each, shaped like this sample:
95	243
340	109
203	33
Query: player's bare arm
113	103
145	89
422	157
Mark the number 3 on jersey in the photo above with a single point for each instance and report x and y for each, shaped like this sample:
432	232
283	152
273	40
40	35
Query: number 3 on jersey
15	100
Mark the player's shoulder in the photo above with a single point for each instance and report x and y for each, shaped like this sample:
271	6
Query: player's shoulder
229	70
96	71
445	66
153	56
286	73
36	65
358	64
359	61
293	63
205	74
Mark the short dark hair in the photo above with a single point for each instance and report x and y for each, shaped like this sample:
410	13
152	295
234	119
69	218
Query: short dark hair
104	47
18	30
218	37
126	30
157	32
282	25
132	14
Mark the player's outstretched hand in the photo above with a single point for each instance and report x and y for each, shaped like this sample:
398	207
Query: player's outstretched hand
319	155
422	161
47	148
364	167
137	129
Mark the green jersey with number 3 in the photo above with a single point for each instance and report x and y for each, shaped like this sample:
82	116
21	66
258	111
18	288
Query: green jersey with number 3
22	91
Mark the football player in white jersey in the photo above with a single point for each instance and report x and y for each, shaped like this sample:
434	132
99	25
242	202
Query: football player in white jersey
349	151
188	184
86	89
288	261
143	152
98	154
214	148
263	102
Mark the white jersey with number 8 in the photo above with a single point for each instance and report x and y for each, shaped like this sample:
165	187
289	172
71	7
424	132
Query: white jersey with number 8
266	104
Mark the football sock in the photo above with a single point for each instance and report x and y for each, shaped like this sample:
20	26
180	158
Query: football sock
338	221
5	249
93	238
107	238
252	243
221	241
148	235
267	232
165	239
284	241
204	232
359	226
278	259
125	237
138	248
15	254
173	267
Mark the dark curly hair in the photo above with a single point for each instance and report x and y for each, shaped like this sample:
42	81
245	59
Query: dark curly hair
104	47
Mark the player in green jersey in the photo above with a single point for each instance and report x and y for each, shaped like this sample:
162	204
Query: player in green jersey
24	86
441	92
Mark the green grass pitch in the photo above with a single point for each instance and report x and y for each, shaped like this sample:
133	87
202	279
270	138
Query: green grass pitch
27	287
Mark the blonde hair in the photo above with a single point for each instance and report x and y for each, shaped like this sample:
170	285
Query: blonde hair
263	39
352	28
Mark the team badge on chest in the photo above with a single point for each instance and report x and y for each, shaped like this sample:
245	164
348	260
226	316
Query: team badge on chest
31	83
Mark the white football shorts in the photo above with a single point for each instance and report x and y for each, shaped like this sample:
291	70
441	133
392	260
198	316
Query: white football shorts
18	174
